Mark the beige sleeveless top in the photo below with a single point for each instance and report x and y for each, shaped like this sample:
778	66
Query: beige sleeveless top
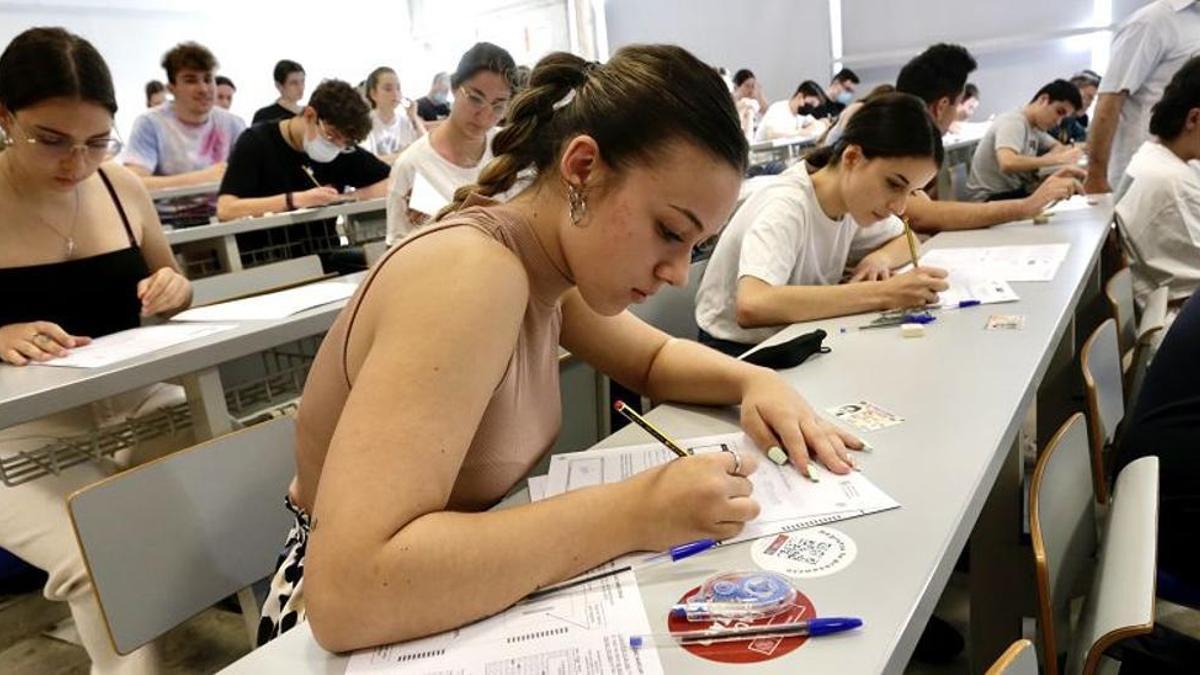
523	417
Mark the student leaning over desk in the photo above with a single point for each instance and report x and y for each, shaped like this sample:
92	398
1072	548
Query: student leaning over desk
1017	145
782	258
83	256
436	390
938	76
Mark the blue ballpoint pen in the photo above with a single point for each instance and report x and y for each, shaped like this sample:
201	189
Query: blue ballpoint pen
673	554
717	633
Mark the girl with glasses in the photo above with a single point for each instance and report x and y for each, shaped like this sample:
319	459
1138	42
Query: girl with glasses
83	256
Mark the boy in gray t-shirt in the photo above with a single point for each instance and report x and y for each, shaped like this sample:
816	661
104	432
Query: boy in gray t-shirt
1008	157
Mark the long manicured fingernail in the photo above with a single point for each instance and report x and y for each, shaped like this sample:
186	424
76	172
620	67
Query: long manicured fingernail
812	472
777	455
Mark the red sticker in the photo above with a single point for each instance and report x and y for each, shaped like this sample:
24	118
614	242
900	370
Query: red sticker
746	651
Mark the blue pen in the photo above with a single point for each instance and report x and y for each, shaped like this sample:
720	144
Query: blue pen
673	554
967	303
719	633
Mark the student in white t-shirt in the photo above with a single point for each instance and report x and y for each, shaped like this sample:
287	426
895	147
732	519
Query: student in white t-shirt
796	116
783	255
1159	202
393	128
453	154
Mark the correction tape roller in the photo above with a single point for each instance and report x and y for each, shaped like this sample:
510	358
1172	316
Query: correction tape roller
738	596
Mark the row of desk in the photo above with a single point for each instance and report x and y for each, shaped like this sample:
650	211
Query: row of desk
953	465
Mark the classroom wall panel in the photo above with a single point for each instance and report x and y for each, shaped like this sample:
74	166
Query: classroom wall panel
783	41
873	26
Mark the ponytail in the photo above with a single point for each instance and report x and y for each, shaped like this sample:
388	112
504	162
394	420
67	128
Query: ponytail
887	125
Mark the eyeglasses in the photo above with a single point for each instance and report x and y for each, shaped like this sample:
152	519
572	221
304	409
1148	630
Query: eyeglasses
57	147
343	147
479	102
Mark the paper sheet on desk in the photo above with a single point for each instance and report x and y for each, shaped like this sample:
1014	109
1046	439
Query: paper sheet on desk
1035	262
425	198
581	631
132	343
277	305
789	501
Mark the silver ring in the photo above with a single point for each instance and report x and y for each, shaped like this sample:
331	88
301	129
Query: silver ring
737	460
40	338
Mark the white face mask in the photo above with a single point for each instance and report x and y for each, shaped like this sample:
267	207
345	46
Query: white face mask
845	97
320	149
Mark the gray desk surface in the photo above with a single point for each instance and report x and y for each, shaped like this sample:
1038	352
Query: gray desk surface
185	191
34	391
962	391
217	230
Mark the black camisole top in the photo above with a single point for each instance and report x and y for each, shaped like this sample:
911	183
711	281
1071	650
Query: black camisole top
88	297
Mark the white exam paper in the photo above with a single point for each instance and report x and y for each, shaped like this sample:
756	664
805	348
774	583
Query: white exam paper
580	631
1035	262
277	305
424	197
788	500
132	343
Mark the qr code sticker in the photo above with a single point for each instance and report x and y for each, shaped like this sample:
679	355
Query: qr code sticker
807	551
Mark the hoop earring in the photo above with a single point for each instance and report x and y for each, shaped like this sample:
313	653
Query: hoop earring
577	202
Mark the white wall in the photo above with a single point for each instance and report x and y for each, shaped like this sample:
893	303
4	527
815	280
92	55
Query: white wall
346	39
1019	44
783	41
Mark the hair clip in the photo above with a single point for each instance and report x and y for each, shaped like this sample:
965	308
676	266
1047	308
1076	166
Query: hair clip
565	100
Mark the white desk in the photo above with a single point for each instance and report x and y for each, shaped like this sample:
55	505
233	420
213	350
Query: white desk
224	235
787	148
952	463
31	392
185	191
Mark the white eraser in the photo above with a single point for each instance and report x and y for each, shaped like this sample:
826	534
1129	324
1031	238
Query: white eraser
912	329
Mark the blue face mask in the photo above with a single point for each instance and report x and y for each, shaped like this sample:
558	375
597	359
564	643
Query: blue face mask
845	97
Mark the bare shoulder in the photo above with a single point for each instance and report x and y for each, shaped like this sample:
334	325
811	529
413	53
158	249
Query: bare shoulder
459	265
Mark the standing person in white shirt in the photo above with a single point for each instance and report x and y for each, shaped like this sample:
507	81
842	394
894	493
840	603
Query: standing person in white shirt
391	132
453	154
1146	51
1160	204
795	116
782	257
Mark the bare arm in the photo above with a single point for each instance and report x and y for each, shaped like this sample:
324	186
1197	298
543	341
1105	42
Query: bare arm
1100	135
665	368
373	191
929	215
166	291
211	174
385	552
761	304
1011	161
232	207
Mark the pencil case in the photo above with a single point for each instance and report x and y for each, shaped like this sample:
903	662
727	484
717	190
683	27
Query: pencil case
791	353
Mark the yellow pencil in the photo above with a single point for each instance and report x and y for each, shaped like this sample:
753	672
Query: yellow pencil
637	419
912	241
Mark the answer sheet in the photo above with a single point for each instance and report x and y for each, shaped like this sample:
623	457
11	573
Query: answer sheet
789	501
132	343
424	197
277	305
1035	262
580	631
